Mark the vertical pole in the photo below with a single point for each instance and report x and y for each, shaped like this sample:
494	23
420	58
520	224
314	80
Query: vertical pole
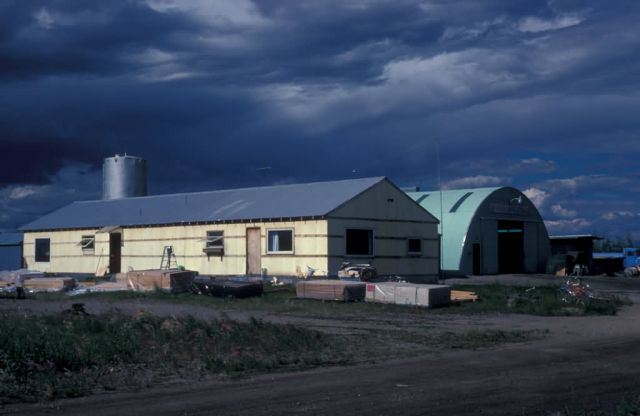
440	276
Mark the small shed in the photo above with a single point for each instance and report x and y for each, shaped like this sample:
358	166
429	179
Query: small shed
274	230
11	251
571	249
487	230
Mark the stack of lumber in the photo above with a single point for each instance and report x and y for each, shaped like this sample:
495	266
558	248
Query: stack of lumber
408	294
463	296
228	288
18	276
174	280
330	290
49	284
108	287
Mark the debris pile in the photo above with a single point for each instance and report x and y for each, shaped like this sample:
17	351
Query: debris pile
173	280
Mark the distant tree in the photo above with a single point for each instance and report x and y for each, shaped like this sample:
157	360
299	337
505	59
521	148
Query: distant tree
613	244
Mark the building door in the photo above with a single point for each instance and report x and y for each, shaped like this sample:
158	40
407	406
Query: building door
476	259
254	251
510	247
115	246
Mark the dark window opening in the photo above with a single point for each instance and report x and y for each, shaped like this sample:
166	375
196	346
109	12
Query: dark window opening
414	246
88	244
43	249
215	239
214	243
359	242
280	241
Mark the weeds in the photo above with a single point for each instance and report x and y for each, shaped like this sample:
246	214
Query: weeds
543	301
58	356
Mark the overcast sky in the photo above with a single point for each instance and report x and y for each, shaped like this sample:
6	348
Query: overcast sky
540	95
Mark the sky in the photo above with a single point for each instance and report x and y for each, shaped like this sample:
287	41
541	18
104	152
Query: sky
543	96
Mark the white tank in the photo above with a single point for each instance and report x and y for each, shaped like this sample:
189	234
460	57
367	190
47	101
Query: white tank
124	177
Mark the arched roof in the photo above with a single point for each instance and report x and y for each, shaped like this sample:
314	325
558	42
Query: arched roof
458	209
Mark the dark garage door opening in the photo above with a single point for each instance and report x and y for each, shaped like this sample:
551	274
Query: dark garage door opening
510	247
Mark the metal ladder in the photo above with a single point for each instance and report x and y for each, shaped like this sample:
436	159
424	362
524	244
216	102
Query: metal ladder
168	255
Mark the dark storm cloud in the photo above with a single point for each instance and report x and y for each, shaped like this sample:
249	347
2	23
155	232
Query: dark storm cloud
43	38
520	93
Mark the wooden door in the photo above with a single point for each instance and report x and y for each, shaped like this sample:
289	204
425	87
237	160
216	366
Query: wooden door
115	244
254	251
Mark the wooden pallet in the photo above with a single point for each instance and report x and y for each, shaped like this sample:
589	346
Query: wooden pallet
463	296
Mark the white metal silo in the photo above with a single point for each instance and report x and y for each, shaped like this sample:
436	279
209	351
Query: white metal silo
124	177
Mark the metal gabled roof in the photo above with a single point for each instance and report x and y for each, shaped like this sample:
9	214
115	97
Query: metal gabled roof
458	209
270	202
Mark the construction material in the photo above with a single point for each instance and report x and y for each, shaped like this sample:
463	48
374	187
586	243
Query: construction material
49	284
408	294
175	280
18	276
228	288
463	296
331	290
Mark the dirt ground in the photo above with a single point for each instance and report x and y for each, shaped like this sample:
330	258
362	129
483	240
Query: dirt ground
581	363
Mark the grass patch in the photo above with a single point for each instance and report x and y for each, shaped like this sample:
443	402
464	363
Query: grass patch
69	356
543	301
494	298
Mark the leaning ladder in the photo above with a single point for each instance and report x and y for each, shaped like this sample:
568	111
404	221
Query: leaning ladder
168	255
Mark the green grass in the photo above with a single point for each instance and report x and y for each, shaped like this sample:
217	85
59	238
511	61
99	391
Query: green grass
494	298
542	301
68	356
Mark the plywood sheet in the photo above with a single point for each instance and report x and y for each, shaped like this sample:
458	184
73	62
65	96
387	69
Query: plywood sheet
49	283
330	290
147	280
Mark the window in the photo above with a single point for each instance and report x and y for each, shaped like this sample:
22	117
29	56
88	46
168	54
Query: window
414	246
359	242
88	244
280	241
43	249
215	242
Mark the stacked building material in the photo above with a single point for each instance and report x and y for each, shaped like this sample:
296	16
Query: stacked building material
228	288
408	294
49	284
463	296
331	290
175	280
18	276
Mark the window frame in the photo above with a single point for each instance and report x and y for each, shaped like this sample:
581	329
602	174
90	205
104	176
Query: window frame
372	242
90	246
36	253
214	249
414	253
291	230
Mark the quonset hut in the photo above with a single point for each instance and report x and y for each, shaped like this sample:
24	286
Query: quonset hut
488	230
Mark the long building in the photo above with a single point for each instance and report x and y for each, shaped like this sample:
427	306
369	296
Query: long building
488	230
277	230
